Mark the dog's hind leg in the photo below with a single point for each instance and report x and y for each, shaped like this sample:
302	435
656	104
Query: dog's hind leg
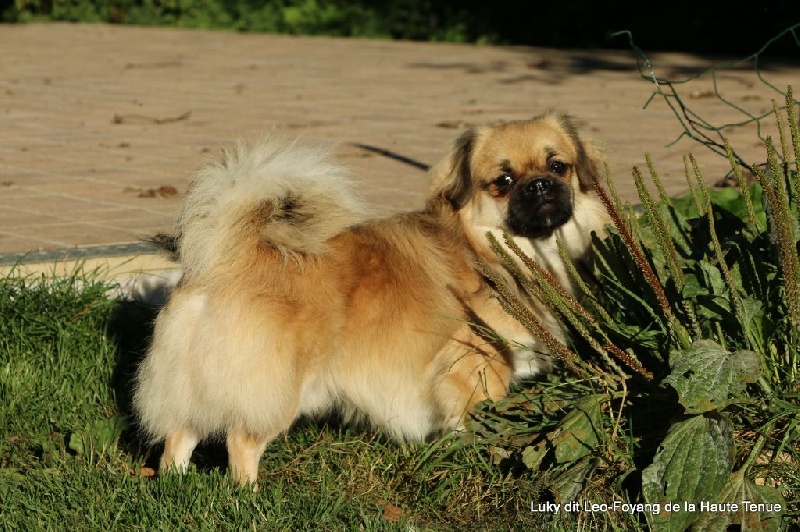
244	454
178	449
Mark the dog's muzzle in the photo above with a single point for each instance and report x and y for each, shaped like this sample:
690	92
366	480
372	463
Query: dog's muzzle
539	207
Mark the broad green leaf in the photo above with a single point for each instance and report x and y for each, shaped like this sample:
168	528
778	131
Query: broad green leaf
568	485
729	198
622	281
577	434
100	436
533	455
692	464
76	443
684	205
753	321
107	432
713	279
740	501
708	377
692	287
752	311
713	307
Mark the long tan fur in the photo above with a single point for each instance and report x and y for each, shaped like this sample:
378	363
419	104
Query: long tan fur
293	303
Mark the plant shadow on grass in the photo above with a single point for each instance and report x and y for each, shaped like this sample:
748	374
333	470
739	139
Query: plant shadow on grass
131	328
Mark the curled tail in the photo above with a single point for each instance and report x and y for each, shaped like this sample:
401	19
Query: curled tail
285	195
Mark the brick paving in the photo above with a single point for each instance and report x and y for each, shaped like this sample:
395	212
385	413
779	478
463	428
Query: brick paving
101	126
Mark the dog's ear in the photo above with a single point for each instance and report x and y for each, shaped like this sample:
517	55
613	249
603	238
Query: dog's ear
590	159
451	178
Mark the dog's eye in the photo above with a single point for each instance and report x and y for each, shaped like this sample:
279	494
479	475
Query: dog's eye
558	167
502	185
504	181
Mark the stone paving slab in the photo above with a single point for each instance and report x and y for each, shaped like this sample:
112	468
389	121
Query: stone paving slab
101	126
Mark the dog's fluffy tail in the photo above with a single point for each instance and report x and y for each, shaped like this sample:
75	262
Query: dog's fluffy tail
288	196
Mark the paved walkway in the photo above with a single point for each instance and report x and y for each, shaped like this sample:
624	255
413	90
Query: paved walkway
101	126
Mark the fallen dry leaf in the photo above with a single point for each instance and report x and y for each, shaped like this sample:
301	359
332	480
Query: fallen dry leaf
452	124
392	513
698	94
146	472
127	119
164	191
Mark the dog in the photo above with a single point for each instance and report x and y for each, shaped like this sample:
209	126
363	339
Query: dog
294	301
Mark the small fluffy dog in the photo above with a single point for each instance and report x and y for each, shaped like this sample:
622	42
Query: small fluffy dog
293	302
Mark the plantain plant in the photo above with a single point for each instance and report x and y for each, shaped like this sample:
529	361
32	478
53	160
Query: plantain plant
682	405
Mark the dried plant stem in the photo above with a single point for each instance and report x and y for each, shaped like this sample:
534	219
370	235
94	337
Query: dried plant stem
744	187
536	291
643	264
553	289
618	418
795	134
659	227
736	301
690	313
692	189
781	133
511	304
612	189
782	231
628	360
582	286
572	310
662	193
547	290
632	362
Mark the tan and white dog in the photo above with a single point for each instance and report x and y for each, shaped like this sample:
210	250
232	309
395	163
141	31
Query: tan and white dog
293	302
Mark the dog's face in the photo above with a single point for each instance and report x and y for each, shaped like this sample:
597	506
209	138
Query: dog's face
522	177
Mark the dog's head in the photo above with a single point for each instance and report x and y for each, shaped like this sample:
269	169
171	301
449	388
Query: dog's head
522	177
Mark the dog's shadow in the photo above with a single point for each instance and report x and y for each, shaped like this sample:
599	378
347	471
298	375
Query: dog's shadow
131	328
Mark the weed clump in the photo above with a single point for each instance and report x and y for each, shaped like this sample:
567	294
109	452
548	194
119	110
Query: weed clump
684	360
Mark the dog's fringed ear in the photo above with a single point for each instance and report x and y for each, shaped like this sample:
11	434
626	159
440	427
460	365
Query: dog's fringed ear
451	178
590	165
590	160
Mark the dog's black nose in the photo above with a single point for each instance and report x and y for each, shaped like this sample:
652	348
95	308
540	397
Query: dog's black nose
538	187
